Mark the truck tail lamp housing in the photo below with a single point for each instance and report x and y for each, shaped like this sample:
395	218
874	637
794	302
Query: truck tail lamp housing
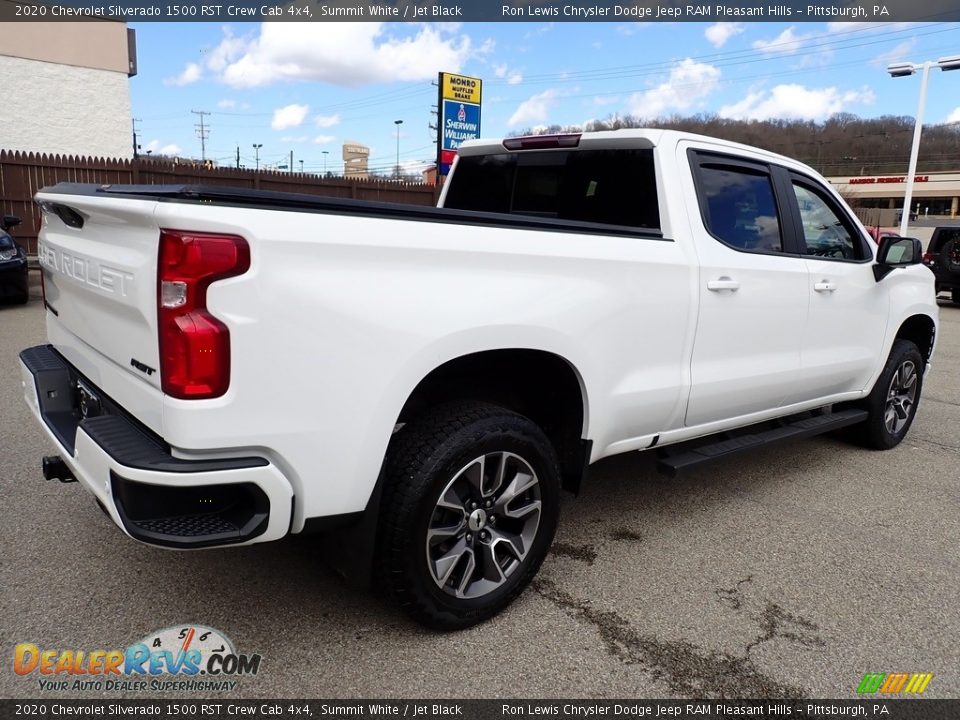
194	345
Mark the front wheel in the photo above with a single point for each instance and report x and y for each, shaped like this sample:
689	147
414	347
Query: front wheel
470	506
892	404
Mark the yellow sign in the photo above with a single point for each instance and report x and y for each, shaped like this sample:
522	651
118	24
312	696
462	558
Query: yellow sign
461	88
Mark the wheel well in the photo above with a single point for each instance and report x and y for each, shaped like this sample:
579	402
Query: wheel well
920	330
539	385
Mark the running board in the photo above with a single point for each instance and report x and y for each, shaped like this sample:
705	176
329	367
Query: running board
672	465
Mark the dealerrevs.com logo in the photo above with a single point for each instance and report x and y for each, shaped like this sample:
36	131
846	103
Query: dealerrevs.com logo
181	657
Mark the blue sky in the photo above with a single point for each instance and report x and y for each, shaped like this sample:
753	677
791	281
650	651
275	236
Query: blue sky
308	87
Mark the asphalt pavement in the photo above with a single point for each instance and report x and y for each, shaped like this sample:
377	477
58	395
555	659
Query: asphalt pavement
788	572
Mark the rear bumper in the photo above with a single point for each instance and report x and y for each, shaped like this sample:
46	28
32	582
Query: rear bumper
153	496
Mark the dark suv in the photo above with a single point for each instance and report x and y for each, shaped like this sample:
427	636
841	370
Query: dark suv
943	257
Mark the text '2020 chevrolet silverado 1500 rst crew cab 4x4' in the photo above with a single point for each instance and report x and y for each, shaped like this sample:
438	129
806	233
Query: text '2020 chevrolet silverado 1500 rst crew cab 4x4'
226	367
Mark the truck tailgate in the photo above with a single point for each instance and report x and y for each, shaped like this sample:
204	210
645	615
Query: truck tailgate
99	260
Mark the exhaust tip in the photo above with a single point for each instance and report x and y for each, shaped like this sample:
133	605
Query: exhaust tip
54	468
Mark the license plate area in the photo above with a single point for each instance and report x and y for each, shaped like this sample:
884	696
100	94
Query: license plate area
88	401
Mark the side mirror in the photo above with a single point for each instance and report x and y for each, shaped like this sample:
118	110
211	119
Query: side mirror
896	252
9	221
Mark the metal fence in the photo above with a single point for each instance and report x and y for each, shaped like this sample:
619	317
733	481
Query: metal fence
23	174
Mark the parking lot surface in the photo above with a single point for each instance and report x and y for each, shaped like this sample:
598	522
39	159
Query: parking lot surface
790	572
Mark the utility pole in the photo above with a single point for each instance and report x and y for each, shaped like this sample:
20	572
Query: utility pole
301	167
203	132
398	123
325	153
136	146
238	156
291	162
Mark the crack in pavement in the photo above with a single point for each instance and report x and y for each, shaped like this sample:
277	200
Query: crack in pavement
685	668
774	619
732	596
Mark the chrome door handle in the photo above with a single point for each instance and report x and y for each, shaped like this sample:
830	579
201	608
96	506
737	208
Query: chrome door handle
824	286
723	283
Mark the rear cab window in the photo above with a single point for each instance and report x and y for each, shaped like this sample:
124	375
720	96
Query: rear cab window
607	187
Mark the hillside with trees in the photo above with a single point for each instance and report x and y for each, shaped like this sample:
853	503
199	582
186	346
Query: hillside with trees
843	145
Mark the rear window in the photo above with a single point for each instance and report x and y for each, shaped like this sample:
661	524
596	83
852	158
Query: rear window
612	187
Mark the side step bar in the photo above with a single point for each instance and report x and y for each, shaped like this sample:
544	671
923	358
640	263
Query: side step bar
673	464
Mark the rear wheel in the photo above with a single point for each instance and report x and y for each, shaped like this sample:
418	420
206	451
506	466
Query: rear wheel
893	402
470	506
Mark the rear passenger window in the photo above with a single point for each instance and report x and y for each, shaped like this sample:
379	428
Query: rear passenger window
611	187
739	207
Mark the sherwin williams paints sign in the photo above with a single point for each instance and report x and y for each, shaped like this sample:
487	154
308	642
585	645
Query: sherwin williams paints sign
459	105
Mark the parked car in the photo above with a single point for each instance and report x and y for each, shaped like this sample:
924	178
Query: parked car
229	366
14	277
943	257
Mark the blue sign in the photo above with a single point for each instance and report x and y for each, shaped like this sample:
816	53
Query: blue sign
460	122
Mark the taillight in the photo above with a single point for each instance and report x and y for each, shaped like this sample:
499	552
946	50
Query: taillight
927	258
194	345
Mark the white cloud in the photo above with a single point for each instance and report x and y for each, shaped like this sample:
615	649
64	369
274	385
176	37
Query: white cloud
289	116
326	121
323	139
514	78
191	73
718	33
227	104
534	109
155	148
343	53
500	70
689	82
954	117
539	30
898	53
786	43
796	102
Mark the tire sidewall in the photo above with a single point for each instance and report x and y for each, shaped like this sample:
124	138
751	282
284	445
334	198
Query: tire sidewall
901	352
488	436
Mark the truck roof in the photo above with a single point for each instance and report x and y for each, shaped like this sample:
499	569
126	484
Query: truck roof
629	137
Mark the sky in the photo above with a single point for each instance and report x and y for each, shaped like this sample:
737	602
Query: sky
306	88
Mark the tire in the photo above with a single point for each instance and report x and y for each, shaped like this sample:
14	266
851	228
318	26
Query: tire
431	484
881	431
950	256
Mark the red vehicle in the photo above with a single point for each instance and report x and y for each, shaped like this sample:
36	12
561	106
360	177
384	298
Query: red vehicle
878	233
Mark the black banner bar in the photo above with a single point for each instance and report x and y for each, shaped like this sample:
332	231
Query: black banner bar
795	11
226	709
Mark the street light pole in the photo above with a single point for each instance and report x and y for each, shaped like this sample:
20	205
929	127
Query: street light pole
256	148
903	70
915	150
325	153
398	123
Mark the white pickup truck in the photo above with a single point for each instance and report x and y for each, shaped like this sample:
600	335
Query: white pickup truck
226	367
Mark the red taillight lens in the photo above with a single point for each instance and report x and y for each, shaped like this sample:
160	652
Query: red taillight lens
927	258
194	345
